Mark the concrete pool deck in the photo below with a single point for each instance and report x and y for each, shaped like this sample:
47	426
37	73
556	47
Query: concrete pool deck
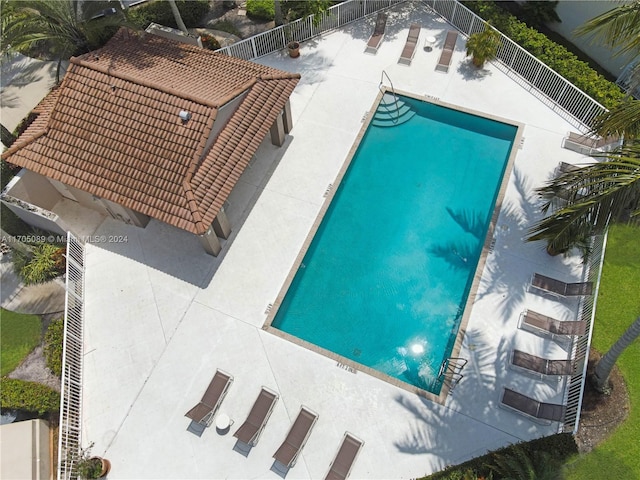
162	316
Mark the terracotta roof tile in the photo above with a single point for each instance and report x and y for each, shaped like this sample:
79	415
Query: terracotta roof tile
112	127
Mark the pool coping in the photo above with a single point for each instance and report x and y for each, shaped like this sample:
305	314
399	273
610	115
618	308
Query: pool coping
487	248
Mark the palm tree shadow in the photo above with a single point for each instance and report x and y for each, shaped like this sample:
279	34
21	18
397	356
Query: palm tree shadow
430	430
462	252
518	212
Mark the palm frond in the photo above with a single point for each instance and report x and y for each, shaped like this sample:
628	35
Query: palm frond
616	28
621	120
585	201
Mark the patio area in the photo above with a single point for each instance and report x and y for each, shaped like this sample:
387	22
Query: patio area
161	315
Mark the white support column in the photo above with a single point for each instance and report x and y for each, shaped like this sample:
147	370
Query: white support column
287	118
277	131
221	224
210	242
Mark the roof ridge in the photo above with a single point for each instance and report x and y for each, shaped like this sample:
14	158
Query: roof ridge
193	207
280	76
141	81
20	145
237	91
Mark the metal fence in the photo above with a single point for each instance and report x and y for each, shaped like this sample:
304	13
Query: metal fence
544	83
575	387
305	28
71	390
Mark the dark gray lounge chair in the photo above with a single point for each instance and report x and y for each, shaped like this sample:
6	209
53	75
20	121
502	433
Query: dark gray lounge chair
249	432
409	49
378	34
447	51
544	325
538	411
207	408
560	288
346	456
293	444
542	366
587	144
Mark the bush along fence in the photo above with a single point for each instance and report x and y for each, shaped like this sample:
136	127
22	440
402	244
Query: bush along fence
540	80
69	441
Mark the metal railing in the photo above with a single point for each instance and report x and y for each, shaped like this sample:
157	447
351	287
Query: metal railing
580	351
305	28
71	389
544	83
395	97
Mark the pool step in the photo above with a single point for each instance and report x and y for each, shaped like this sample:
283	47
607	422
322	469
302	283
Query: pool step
391	113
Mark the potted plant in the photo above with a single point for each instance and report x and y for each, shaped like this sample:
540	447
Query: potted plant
294	49
483	45
90	466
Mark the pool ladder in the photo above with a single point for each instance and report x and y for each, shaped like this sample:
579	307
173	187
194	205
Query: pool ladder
393	90
450	371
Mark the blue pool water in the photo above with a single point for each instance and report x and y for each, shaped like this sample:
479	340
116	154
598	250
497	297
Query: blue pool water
386	277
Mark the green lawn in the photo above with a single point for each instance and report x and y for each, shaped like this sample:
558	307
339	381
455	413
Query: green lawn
618	306
19	334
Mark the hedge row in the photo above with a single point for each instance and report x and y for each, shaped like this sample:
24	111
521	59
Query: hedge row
553	55
28	396
261	9
53	340
559	447
160	12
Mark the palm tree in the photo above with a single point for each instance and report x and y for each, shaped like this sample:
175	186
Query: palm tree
483	45
603	368
587	200
178	17
63	27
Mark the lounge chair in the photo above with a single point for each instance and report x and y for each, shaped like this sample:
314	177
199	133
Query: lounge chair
378	34
207	408
541	366
293	444
538	411
564	167
410	45
560	288
249	432
447	51
541	324
346	456
586	144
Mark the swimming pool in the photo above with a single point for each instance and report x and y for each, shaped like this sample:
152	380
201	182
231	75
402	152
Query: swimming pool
385	279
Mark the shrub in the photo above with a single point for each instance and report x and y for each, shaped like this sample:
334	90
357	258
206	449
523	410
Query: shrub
553	55
558	447
261	9
160	12
53	346
209	42
46	263
28	396
226	26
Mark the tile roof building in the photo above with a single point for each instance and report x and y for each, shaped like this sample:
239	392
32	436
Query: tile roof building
156	128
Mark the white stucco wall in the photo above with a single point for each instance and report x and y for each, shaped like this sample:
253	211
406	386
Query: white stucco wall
25	450
573	14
